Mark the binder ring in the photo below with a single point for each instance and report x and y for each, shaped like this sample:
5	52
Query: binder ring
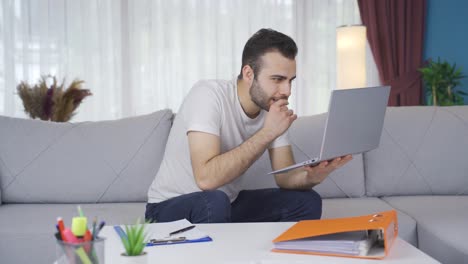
377	215
373	220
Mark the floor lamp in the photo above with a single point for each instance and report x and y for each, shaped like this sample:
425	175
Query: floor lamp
351	56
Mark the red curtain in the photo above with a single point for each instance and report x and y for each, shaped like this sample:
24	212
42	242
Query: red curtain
395	30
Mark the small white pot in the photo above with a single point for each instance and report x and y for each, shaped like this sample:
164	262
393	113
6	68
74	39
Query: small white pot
140	259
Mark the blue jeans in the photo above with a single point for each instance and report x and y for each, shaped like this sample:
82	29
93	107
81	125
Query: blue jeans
265	205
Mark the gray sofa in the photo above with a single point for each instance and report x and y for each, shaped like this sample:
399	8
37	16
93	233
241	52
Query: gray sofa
46	169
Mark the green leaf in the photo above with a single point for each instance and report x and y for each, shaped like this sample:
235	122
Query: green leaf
136	236
441	77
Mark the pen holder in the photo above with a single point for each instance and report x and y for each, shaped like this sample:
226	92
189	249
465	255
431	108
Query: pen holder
89	252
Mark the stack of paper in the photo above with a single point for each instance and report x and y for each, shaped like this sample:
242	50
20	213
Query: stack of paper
355	243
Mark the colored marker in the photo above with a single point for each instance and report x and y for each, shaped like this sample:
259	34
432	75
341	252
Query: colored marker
80	211
79	225
83	256
94	228
61	227
69	237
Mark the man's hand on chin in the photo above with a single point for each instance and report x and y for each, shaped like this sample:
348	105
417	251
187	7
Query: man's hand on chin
279	118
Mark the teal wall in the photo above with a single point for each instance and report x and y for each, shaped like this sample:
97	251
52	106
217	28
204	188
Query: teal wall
447	34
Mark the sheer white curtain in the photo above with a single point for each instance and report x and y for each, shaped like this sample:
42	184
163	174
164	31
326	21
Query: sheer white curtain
139	56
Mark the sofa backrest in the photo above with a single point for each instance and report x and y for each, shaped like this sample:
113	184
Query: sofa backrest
306	136
423	150
106	161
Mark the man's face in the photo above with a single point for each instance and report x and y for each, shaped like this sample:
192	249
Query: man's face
273	81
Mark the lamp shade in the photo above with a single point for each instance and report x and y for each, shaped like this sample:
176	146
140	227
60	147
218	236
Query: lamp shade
351	56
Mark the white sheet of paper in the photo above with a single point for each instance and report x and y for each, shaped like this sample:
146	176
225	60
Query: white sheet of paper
162	230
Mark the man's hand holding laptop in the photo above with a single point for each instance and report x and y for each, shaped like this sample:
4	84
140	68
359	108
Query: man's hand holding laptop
317	173
308	176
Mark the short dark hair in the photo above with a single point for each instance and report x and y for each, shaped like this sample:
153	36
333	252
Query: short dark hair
263	41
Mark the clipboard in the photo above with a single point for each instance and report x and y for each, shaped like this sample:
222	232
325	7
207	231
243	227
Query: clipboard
337	237
189	235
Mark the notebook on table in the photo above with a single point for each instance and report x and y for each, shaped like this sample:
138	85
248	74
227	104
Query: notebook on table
354	124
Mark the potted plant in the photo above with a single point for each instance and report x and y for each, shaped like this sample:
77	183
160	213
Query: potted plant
134	241
441	78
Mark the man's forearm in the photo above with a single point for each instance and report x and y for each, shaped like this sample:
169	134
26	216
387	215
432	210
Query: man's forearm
228	166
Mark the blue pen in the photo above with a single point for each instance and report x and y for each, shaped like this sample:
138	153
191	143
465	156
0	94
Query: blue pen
101	225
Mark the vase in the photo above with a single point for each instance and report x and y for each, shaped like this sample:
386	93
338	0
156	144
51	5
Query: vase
140	259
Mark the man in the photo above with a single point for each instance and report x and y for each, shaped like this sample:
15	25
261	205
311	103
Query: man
221	129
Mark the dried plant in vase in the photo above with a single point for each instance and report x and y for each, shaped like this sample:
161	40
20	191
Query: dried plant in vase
52	103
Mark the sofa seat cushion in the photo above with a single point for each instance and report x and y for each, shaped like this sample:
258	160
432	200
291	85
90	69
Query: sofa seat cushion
442	224
335	208
35	224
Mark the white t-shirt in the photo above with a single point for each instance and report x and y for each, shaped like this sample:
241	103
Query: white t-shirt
212	106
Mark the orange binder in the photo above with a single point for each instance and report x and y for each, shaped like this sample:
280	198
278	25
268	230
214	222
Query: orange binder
337	237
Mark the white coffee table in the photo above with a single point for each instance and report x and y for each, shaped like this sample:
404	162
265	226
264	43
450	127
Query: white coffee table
248	243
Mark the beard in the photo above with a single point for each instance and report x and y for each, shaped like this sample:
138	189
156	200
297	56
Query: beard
258	96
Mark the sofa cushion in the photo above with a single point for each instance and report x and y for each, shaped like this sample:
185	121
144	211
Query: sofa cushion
306	137
335	208
105	161
442	224
35	224
420	149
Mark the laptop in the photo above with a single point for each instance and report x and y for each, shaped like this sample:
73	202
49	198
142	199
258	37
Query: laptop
354	124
